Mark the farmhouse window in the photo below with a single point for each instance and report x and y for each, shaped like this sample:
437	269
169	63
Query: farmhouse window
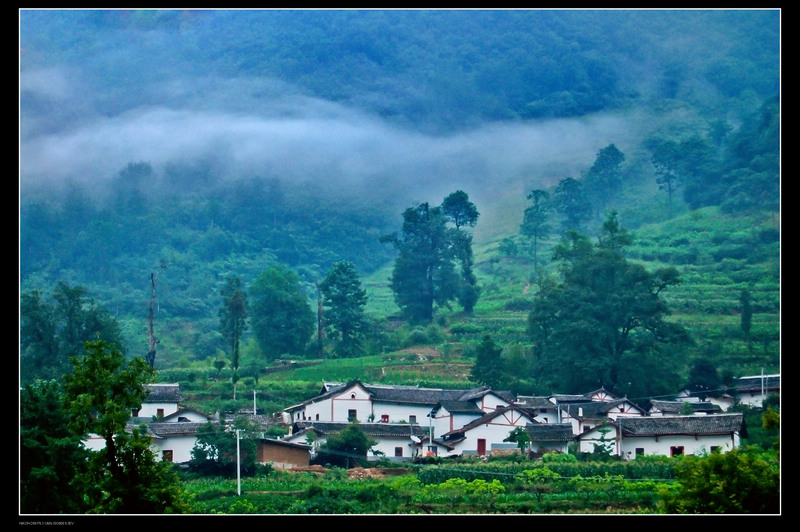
412	419
134	412
384	418
166	456
351	415
160	412
676	450
640	451
398	452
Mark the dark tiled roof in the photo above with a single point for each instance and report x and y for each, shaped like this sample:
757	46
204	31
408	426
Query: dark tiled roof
568	398
413	395
754	383
421	396
683	425
677	406
163	393
539	402
530	413
370	429
596	409
460	407
164	430
550	432
296	445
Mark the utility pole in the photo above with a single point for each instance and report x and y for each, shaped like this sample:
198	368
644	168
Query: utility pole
238	466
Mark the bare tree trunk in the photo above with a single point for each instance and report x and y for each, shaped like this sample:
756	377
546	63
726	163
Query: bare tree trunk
152	341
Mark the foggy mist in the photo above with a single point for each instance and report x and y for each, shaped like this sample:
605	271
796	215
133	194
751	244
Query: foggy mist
303	139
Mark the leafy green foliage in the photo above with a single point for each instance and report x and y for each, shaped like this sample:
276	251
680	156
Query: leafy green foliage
223	452
423	273
740	481
604	324
343	301
488	368
52	331
52	459
124	477
233	316
346	447
281	317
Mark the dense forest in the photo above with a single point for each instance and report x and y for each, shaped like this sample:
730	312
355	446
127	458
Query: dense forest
165	153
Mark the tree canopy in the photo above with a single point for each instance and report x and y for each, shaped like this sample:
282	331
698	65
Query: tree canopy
424	273
604	323
97	398
343	300
281	316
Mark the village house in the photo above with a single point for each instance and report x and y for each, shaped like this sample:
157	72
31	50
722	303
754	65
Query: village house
478	436
396	441
630	437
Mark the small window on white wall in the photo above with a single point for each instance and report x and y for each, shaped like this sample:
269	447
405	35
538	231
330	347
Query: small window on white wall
384	418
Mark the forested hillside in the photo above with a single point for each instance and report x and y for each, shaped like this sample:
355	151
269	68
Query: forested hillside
192	146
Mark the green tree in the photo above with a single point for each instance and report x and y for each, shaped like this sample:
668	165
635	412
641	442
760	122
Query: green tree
346	447
53	331
604	178
52	461
604	323
740	481
214	452
125	476
343	301
423	273
703	377
233	316
463	213
468	291
460	210
535	223
281	316
572	202
666	160
521	437
488	368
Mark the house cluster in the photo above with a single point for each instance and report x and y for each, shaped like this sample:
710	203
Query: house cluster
409	422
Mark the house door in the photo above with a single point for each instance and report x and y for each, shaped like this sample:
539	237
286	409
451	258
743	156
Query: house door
481	447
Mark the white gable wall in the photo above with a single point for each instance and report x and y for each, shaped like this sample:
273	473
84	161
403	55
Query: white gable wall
150	410
495	431
691	446
388	445
180	446
402	413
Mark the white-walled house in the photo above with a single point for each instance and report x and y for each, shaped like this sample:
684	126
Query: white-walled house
172	429
546	409
587	415
162	400
369	403
676	408
396	441
478	436
174	436
754	389
630	437
550	437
